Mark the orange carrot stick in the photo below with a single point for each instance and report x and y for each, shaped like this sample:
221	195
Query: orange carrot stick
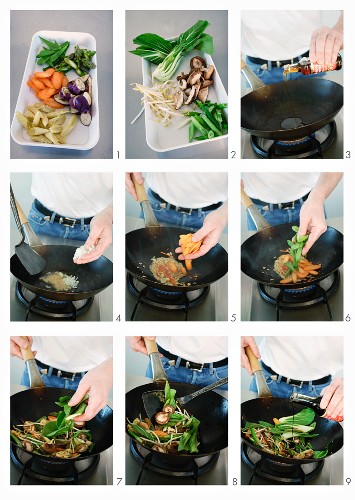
38	84
57	79
53	103
47	83
44	74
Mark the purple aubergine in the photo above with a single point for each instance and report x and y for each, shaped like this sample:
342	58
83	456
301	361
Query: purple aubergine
80	103
85	118
76	86
65	94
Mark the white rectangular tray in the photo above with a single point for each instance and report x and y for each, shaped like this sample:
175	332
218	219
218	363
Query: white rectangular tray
163	139
82	137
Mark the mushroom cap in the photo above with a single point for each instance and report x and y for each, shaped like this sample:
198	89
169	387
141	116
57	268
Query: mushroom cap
197	62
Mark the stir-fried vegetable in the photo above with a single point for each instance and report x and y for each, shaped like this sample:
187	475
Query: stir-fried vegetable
169	54
289	436
57	434
174	431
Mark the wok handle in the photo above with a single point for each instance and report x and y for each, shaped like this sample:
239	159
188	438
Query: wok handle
140	190
253	360
150	345
27	353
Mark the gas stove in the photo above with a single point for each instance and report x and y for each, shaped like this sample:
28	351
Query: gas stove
320	302
27	306
28	470
145	303
257	471
326	143
144	469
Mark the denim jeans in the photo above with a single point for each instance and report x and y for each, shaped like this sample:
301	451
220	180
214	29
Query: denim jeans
51	228
174	218
53	381
178	373
281	389
276	216
275	75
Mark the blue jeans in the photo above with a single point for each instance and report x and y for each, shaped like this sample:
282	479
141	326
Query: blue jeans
53	381
275	75
281	389
178	373
276	216
174	218
51	228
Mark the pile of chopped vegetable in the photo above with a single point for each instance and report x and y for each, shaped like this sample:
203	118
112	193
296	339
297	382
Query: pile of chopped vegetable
160	99
57	434
288	436
174	430
209	123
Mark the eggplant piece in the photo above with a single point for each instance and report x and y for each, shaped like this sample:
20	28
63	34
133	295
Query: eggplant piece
65	94
77	86
57	98
87	97
85	118
80	103
88	86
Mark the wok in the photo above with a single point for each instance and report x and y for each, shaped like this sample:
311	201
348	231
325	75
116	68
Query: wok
291	109
93	277
143	244
35	403
210	408
330	432
260	251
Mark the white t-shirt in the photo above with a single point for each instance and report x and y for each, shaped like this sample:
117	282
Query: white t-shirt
196	349
303	357
72	354
73	194
277	35
273	187
189	189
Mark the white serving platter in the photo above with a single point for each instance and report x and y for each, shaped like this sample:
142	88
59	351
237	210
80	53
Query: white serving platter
82	137
163	139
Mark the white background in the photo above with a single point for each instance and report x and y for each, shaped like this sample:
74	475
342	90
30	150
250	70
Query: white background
233	329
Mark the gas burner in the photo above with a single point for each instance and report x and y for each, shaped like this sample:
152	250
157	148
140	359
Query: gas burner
164	299
171	465
278	472
312	146
50	472
298	298
48	308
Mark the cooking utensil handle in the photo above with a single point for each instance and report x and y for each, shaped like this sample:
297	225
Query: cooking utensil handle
150	345
250	76
254	213
253	360
14	209
27	353
311	402
207	388
140	190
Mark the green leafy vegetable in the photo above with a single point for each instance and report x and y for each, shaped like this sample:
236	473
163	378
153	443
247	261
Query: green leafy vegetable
210	122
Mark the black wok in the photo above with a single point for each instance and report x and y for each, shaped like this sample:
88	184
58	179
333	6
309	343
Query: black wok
259	252
330	433
93	277
210	408
35	403
143	244
292	109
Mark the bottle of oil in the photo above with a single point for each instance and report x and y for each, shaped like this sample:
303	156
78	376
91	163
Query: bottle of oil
306	67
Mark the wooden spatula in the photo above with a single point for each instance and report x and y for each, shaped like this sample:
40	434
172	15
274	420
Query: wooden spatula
261	384
32	368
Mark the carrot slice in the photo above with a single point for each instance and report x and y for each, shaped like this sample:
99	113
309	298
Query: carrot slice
38	84
65	81
57	79
32	85
46	93
44	74
47	83
53	103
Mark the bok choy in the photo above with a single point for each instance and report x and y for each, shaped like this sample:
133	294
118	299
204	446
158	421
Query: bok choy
168	54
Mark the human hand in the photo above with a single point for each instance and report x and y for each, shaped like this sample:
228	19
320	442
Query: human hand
245	342
18	343
333	400
130	184
137	344
325	45
209	233
312	221
100	236
97	382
